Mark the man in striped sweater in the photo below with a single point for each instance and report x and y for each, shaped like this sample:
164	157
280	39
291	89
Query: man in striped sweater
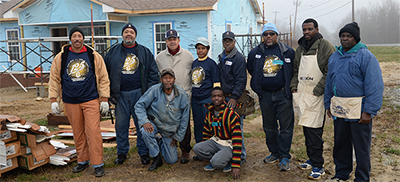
222	138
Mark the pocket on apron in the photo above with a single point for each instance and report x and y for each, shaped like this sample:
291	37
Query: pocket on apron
313	115
346	107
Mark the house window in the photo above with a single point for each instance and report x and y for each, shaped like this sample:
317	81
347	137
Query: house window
159	36
229	27
99	45
13	47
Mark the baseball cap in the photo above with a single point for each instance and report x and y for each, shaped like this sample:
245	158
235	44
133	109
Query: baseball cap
171	33
228	35
167	71
203	41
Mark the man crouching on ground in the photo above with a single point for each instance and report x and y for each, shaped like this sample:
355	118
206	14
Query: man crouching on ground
163	109
222	138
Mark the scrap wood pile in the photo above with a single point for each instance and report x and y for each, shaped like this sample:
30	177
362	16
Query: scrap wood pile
28	146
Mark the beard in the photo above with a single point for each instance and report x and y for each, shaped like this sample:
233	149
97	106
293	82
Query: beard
129	42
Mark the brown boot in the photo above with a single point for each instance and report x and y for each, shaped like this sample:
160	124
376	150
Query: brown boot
185	157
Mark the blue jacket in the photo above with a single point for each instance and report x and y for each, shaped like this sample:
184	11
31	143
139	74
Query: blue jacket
115	60
171	118
255	64
232	71
355	73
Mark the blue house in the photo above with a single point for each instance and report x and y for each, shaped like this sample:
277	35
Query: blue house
48	22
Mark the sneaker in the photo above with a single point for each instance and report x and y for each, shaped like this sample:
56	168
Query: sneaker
228	168
306	165
80	167
284	165
209	168
316	173
270	159
335	179
99	171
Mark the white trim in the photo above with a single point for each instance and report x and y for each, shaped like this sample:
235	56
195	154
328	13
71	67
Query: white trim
72	22
228	27
209	33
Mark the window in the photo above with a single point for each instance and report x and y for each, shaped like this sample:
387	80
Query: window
99	45
229	27
13	47
159	36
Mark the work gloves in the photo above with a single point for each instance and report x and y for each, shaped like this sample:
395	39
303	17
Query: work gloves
104	107
55	108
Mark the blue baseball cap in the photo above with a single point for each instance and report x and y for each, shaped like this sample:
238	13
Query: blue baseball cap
270	26
171	33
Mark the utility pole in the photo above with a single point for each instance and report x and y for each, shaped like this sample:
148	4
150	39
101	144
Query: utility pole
276	12
295	18
290	25
352	3
263	16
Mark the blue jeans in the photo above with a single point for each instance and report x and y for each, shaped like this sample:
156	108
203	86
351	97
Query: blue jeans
275	106
243	156
199	114
169	153
346	136
123	112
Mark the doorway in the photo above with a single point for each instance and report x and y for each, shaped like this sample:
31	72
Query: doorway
58	32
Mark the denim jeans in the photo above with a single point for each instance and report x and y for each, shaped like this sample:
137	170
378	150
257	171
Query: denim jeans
199	114
123	112
349	135
169	153
243	156
275	106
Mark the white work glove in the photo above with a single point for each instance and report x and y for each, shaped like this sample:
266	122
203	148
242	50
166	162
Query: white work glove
104	107
55	108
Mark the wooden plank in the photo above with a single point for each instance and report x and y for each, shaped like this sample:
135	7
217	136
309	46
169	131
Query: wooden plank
69	127
71	142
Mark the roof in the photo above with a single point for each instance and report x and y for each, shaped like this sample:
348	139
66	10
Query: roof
157	6
8	6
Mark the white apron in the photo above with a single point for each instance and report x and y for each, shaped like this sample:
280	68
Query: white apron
346	107
227	143
311	107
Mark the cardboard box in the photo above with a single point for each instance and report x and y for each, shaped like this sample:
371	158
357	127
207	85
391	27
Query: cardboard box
27	139
42	151
8	136
29	162
13	149
10	165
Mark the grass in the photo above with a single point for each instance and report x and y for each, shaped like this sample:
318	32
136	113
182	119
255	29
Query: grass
396	139
393	150
33	177
386	53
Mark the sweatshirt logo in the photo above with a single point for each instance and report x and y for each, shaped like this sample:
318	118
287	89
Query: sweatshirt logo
77	69
131	64
272	65
198	76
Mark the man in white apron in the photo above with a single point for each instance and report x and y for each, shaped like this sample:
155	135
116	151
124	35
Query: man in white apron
308	83
353	95
271	69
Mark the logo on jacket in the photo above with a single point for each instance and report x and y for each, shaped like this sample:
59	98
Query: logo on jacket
340	110
131	64
77	69
198	76
272	65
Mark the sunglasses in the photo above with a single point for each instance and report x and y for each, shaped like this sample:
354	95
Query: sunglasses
270	34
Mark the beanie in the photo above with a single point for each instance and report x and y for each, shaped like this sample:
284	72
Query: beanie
270	26
75	29
353	29
129	26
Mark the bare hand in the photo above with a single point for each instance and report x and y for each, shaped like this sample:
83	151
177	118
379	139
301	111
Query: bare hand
173	143
328	112
148	127
232	103
235	173
365	118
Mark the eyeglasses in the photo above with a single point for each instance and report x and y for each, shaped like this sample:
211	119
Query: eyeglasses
270	34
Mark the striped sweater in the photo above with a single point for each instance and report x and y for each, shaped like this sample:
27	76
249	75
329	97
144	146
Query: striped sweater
228	129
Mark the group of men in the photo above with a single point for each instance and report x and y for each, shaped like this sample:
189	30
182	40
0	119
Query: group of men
159	94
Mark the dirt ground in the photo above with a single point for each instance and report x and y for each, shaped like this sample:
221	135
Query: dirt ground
385	164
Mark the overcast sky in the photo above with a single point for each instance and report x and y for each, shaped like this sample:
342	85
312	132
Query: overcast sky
328	13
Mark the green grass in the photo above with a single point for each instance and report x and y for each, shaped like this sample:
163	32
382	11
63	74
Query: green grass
396	139
393	151
33	177
72	175
386	53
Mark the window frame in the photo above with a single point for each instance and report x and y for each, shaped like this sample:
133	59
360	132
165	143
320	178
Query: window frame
162	33
13	44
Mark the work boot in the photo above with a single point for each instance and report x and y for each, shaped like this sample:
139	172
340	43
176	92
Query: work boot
145	159
185	157
80	167
120	159
157	162
99	171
